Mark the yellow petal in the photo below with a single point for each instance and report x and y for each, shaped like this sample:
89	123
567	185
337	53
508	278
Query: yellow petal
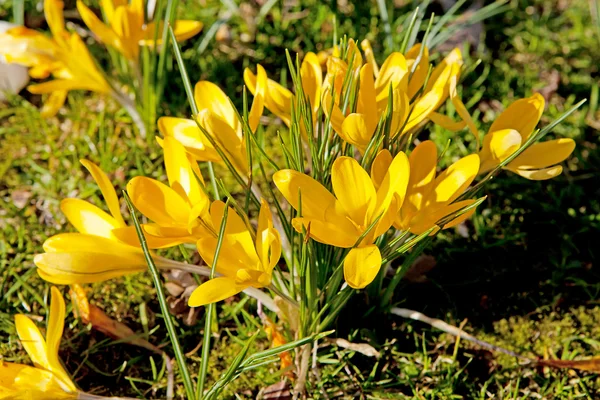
453	181
54	333
268	242
103	32
425	220
394	184
503	143
538	174
317	201
162	238
69	268
422	109
53	10
331	233
354	189
361	266
423	164
107	190
232	256
239	240
230	143
353	55
312	79
400	110
394	72
356	132
124	26
183	30
259	98
278	99
544	154
33	342
417	80
158	202
180	174
380	166
80	242
333	112
458	104
35	383
446	122
209	96
53	103
523	115
214	290
367	98
441	73
190	136
365	45
87	218
79	258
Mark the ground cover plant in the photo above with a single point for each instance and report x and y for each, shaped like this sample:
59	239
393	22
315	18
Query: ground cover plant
541	303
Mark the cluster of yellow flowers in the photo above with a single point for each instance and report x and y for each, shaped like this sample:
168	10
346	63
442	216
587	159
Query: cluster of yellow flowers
65	57
401	192
367	189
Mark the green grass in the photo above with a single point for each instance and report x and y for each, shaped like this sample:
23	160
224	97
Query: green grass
525	277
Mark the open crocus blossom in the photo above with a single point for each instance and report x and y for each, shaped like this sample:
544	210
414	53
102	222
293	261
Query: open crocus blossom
511	130
126	29
47	379
53	56
94	254
219	120
363	208
408	112
278	99
180	211
242	262
430	198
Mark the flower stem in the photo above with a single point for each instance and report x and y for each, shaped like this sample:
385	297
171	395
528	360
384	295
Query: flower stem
162	300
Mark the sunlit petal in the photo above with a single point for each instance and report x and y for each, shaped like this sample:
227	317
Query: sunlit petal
186	131
523	115
353	188
158	202
87	218
361	266
214	290
544	154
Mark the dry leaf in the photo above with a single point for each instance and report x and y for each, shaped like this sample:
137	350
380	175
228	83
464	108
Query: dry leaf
362	348
90	314
277	391
418	270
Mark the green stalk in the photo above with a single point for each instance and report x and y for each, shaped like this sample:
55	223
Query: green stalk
162	300
210	310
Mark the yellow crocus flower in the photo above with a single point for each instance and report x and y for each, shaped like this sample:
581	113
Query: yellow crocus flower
126	29
95	253
358	128
47	379
242	262
360	201
430	198
278	99
180	211
218	117
511	130
65	56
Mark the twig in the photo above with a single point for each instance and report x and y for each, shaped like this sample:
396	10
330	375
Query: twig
452	330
